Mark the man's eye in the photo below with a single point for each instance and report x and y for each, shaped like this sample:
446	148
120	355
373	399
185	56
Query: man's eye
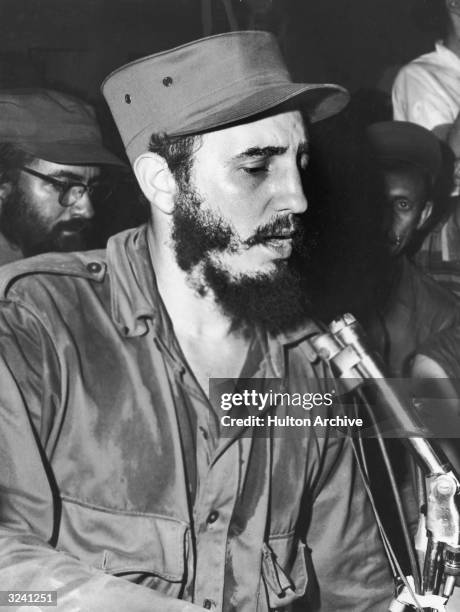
57	186
402	205
260	169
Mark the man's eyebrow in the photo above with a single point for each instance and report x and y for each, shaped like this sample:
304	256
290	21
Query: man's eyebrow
260	152
269	151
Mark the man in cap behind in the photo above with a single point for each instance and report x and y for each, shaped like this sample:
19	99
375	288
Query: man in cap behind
51	155
414	306
129	484
413	310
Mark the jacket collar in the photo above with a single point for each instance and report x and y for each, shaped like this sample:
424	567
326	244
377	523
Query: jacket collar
135	299
133	291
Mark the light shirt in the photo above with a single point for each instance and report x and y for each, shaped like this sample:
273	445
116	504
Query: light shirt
427	90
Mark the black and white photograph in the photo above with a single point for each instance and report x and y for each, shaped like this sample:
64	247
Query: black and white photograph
230	305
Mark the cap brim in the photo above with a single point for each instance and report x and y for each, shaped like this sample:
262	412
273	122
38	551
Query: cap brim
72	153
318	101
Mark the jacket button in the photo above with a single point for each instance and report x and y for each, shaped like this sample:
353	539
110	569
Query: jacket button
94	267
212	518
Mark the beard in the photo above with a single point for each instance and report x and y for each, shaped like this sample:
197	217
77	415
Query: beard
274	299
23	226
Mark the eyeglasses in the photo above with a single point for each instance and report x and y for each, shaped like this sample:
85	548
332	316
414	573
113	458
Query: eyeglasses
70	192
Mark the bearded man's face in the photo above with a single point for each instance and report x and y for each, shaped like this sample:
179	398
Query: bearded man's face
32	218
236	221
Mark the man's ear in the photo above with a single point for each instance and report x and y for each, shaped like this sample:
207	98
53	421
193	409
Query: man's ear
156	181
426	214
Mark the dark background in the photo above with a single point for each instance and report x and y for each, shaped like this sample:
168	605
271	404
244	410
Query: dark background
74	44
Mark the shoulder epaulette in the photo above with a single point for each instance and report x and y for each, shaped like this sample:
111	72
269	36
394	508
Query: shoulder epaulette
87	264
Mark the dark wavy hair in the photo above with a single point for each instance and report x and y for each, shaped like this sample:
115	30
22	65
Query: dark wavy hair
178	152
11	161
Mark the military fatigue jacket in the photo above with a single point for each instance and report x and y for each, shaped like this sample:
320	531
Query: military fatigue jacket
95	496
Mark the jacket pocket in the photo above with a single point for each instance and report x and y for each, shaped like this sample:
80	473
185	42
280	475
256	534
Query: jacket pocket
143	548
284	571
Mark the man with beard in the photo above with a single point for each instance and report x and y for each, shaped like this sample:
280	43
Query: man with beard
51	155
122	487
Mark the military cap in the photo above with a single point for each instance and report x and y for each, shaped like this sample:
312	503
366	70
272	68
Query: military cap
52	126
208	84
407	142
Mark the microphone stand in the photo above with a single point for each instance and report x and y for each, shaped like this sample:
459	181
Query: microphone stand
437	540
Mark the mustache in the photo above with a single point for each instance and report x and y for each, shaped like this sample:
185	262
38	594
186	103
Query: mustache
281	227
73	225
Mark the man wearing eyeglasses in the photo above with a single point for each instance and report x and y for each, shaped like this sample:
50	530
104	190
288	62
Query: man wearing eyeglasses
51	158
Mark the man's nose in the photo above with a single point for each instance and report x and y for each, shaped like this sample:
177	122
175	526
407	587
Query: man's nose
83	207
291	196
